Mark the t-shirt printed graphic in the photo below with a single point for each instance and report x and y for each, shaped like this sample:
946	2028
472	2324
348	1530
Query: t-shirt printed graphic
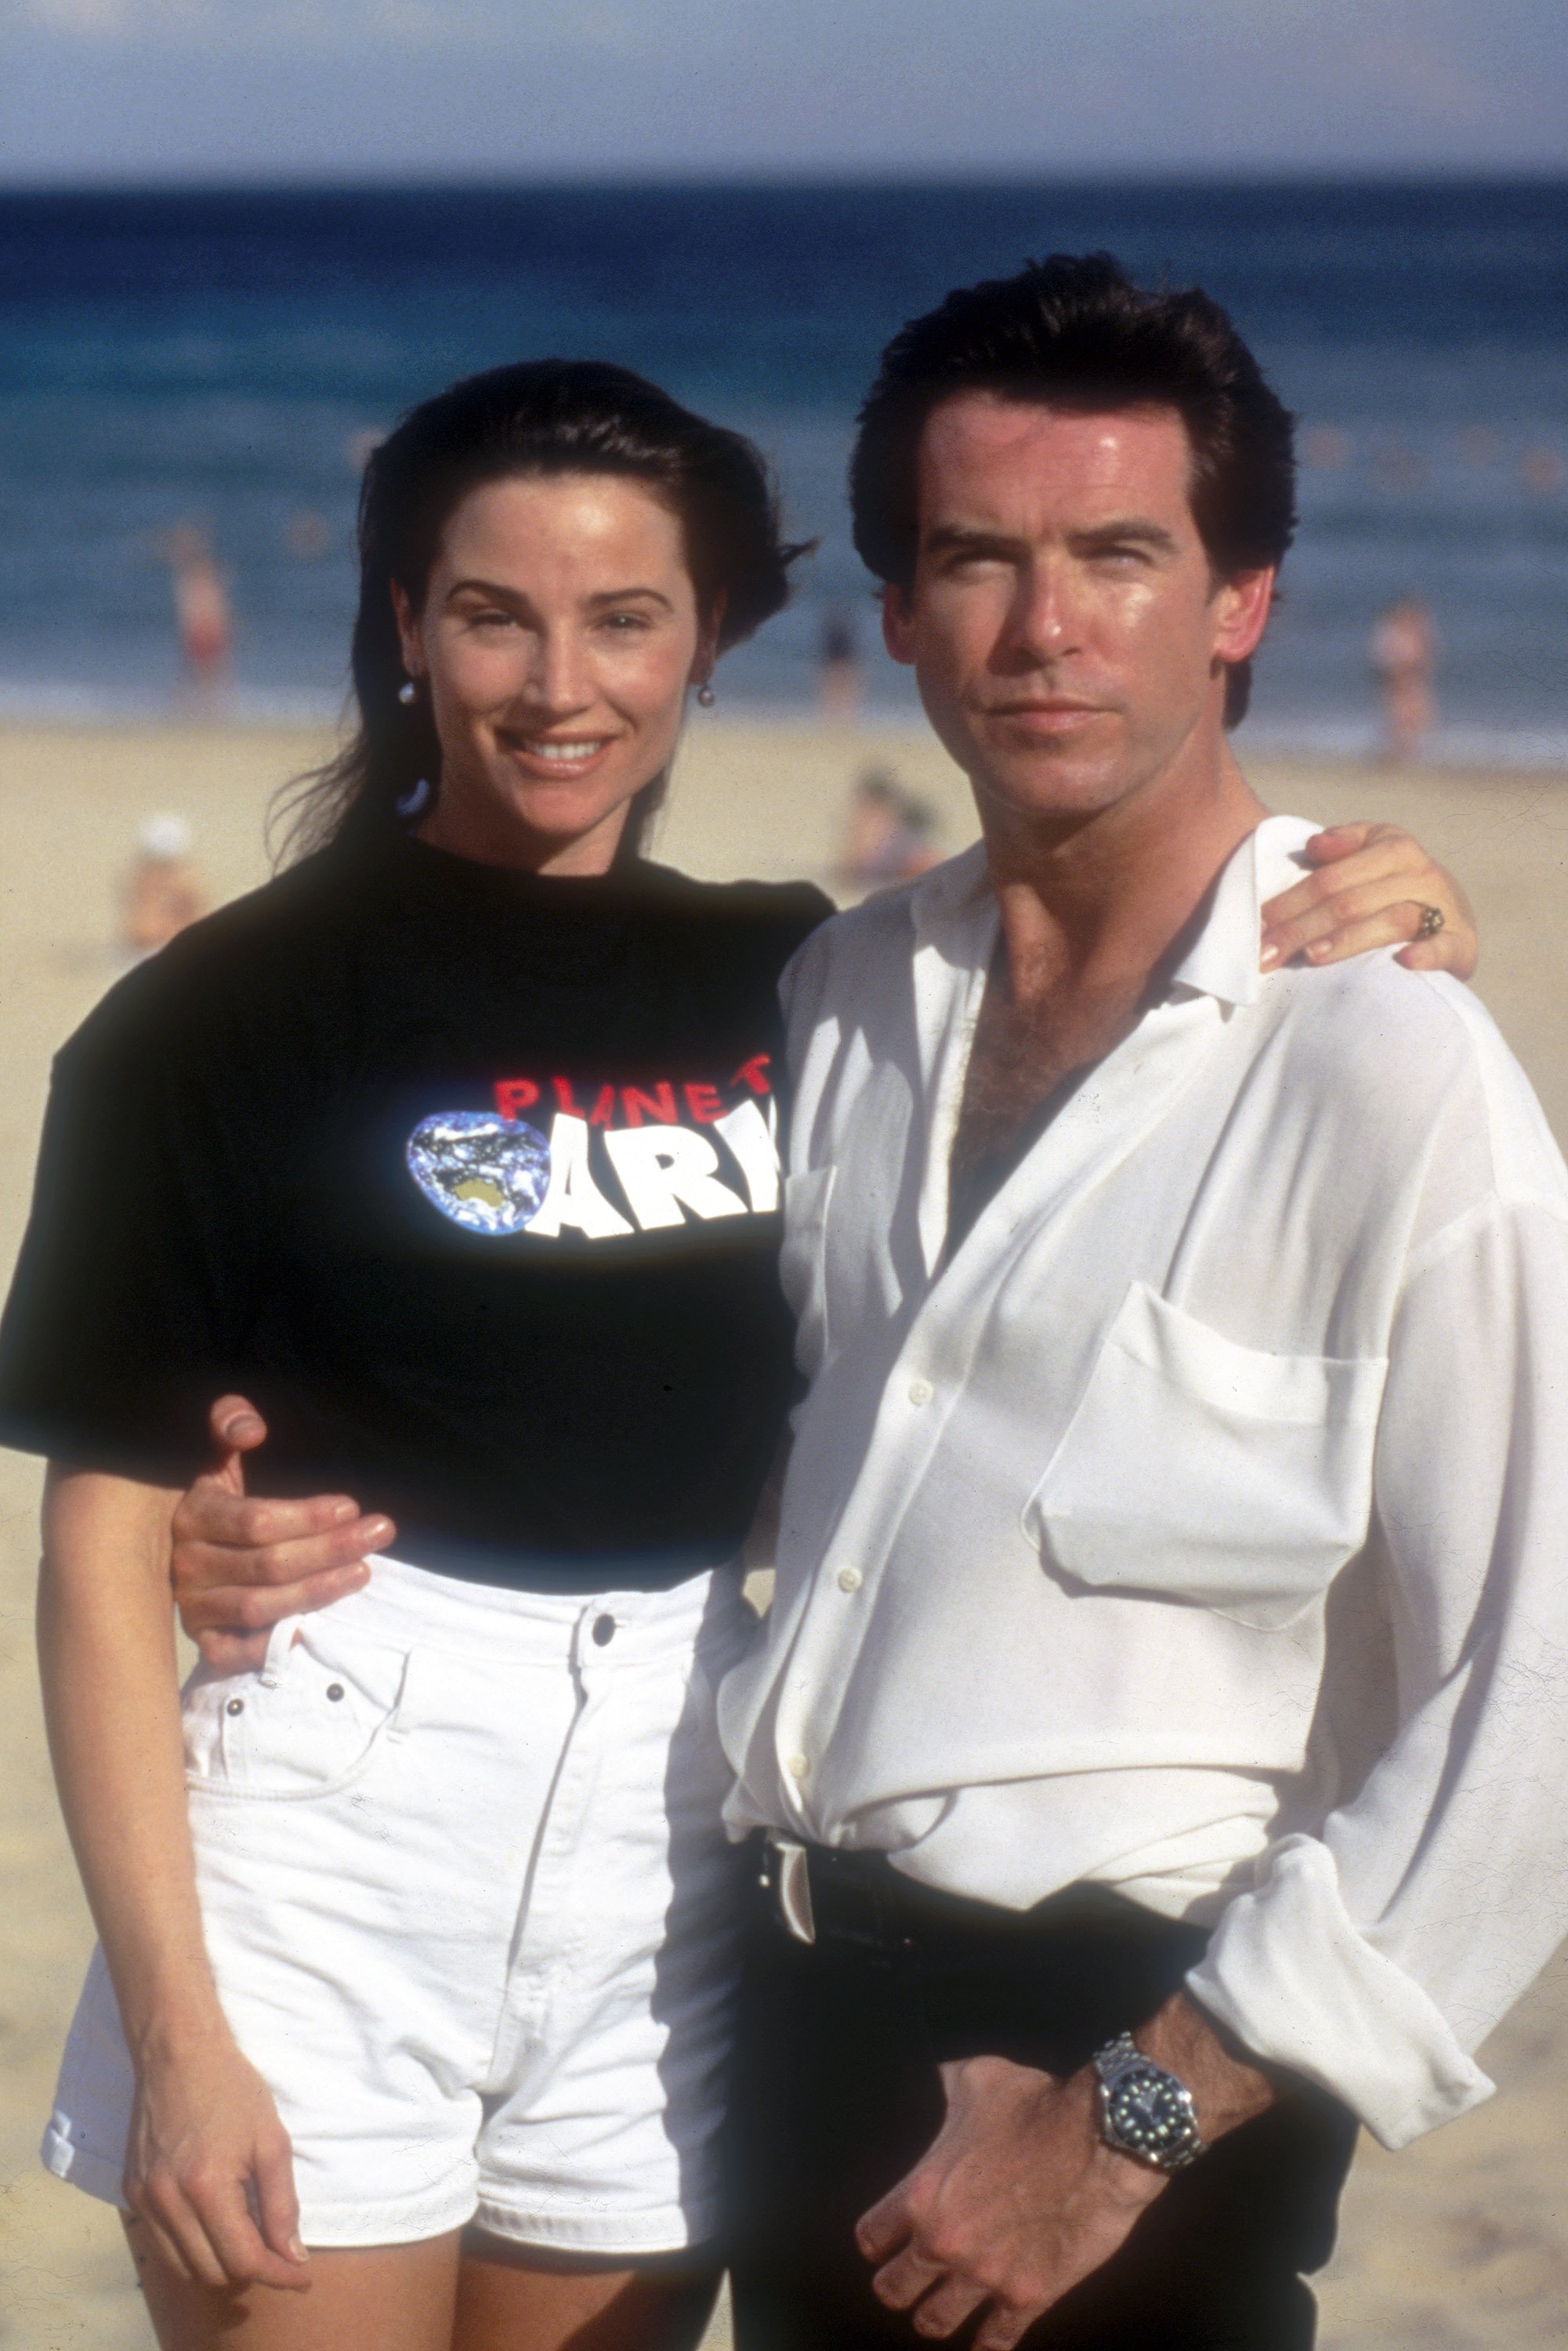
607	1159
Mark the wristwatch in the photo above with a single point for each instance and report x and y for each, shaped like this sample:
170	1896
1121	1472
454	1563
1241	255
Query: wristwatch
1145	2111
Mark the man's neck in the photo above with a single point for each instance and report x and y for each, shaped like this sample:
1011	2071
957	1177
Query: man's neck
1090	908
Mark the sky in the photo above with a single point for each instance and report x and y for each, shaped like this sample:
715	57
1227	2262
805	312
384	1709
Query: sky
169	90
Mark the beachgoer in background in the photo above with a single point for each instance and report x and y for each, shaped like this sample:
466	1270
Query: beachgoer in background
201	607
163	894
838	670
1403	650
888	836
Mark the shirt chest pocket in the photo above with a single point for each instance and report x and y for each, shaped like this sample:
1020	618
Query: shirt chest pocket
802	1262
1200	1470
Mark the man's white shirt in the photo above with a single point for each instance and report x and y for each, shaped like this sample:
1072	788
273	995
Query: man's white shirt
1200	1527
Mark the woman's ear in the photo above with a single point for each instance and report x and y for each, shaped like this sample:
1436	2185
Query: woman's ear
407	631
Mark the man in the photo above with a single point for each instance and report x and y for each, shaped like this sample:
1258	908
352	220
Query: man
1171	1622
1130	1286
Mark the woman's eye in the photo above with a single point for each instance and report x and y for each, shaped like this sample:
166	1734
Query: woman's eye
626	624
490	620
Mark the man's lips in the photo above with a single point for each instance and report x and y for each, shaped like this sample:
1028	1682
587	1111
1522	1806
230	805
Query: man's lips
1052	714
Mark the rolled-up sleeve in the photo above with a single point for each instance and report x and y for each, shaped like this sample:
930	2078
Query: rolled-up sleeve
1374	1958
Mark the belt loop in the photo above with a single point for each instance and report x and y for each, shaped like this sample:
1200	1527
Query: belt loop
279	1642
400	1720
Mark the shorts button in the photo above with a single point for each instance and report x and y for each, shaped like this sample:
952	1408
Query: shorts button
848	1579
604	1631
235	1706
334	1690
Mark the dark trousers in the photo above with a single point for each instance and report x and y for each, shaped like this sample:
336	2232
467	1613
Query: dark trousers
837	2095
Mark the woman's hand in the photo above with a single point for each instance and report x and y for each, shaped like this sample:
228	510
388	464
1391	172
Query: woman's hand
1372	885
239	1564
210	2171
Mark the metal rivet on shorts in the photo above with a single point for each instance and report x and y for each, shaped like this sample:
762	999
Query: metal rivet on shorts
604	1630
235	1706
334	1690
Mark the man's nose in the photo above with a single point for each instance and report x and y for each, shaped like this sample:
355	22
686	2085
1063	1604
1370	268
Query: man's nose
1043	622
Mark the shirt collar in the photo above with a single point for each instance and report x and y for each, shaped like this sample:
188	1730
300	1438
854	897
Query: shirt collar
1221	961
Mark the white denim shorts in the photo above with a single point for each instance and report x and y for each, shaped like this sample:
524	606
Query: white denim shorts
471	1911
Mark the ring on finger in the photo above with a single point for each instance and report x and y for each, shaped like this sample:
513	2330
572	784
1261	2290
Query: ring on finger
1431	922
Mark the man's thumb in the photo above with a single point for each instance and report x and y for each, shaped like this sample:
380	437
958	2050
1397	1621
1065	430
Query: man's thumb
236	1428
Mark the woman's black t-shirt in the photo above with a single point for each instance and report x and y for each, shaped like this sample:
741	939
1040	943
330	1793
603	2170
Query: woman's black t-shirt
469	1178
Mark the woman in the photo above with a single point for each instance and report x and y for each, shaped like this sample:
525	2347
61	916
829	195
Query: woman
454	1147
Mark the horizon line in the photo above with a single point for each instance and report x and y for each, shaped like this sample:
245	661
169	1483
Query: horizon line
451	181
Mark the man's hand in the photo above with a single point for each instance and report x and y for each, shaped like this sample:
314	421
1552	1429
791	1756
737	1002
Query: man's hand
1371	883
240	1564
1019	2198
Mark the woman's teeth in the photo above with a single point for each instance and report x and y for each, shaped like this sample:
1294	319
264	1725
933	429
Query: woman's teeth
565	751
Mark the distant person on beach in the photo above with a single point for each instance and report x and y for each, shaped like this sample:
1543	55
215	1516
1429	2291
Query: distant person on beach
888	835
838	670
201	608
163	894
1404	649
458	1145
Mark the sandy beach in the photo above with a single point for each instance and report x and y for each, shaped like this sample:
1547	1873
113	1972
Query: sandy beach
1461	2243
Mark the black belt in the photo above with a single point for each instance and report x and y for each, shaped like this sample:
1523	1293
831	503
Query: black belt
850	1902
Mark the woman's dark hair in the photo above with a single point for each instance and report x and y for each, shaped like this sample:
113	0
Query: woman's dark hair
1074	331
537	417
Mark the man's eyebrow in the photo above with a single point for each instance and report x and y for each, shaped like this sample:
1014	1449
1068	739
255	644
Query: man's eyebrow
1136	530
1122	531
956	538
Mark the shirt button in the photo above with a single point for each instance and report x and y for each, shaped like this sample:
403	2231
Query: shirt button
235	1706
848	1579
920	1391
797	1767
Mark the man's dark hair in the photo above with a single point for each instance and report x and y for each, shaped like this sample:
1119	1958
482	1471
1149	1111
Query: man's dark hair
1073	332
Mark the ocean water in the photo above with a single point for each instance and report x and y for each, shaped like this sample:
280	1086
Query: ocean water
220	357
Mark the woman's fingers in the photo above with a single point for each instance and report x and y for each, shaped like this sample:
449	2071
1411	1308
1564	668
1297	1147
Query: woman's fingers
1370	875
276	2204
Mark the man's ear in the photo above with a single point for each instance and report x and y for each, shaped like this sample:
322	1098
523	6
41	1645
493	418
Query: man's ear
897	623
1241	606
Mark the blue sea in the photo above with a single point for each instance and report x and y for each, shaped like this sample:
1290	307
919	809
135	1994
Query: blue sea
222	356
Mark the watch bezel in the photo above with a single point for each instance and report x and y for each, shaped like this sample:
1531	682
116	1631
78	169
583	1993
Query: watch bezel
1117	2064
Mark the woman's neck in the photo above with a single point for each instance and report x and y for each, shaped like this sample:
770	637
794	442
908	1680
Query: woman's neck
490	836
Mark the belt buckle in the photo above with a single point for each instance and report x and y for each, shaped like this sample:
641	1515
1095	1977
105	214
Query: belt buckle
792	1887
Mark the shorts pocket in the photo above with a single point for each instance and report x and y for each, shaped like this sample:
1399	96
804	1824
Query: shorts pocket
802	1262
1200	1470
306	1724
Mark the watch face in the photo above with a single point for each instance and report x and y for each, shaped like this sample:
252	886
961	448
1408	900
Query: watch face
1150	2113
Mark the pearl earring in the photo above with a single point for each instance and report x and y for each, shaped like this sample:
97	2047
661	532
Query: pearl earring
406	691
706	693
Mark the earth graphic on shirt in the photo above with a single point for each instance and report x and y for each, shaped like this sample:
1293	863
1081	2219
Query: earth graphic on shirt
487	1174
